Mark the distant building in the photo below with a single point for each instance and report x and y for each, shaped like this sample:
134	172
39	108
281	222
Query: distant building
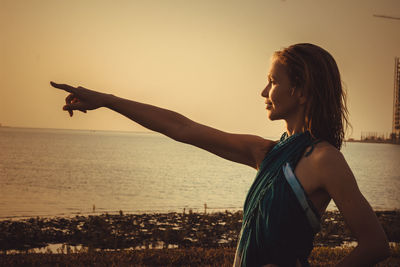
396	102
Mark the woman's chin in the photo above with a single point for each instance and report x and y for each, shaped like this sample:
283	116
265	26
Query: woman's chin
271	116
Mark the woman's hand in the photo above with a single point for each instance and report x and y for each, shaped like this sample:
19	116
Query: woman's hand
80	98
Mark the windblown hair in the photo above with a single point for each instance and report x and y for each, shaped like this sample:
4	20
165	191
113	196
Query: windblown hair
313	70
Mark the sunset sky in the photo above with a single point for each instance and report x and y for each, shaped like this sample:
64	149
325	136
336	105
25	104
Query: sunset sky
207	59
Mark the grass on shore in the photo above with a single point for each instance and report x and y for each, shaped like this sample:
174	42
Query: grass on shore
320	256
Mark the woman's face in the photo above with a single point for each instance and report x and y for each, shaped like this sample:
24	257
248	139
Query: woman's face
281	98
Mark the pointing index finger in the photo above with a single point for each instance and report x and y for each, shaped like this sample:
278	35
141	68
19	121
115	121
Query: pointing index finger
65	87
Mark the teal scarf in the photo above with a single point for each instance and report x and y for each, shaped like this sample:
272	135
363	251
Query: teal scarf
275	228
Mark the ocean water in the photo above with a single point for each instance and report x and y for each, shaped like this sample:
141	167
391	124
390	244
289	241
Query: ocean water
47	172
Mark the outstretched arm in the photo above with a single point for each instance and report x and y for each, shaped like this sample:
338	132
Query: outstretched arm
246	149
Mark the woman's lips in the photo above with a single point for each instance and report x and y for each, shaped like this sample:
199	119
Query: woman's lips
269	106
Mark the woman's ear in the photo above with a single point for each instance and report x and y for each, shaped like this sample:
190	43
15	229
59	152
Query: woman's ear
299	92
303	99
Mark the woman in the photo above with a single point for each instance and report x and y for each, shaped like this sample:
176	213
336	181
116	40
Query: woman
297	176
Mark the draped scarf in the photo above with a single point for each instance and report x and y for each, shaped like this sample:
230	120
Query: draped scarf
275	228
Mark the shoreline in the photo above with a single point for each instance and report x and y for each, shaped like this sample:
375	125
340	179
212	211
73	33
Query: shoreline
161	230
199	210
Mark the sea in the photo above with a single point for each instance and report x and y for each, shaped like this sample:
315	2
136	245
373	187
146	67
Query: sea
54	172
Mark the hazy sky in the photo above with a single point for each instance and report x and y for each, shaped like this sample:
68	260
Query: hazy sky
205	59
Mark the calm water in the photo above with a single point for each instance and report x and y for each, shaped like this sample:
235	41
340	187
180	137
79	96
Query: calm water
66	172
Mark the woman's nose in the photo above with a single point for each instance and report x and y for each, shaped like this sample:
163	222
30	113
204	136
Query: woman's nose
264	93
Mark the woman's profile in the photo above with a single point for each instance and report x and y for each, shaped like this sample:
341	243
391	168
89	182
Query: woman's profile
297	176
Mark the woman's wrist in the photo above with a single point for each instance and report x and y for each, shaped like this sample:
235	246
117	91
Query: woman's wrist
108	100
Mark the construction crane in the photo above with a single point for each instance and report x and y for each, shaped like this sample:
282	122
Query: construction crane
395	135
386	17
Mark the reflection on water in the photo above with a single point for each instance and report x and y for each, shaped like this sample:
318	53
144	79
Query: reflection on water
64	172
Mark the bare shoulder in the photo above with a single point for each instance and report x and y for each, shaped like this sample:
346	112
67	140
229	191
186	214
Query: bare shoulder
327	168
326	158
324	153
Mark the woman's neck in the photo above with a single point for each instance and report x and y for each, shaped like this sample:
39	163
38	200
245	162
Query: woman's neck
291	131
295	124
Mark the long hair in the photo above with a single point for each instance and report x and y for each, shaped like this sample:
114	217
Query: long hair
313	70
